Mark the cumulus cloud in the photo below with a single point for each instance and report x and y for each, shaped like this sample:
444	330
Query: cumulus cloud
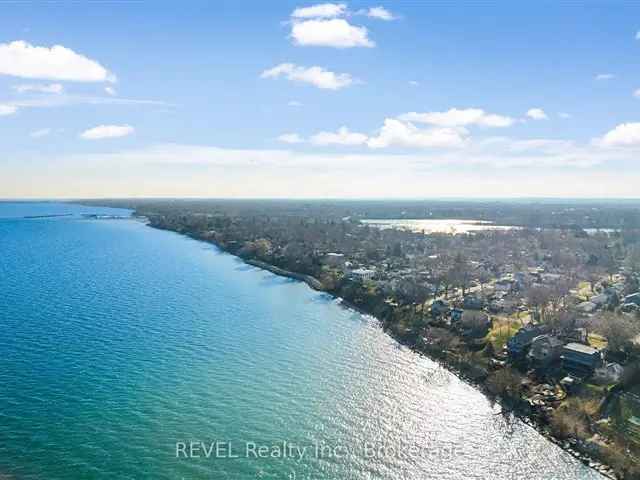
110	91
294	103
564	115
7	109
334	32
537	114
21	59
638	35
290	138
50	88
342	137
459	118
404	134
316	76
414	83
605	76
107	131
323	10
380	13
625	134
43	132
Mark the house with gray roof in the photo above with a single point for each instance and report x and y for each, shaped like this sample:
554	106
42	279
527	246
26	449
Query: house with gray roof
580	360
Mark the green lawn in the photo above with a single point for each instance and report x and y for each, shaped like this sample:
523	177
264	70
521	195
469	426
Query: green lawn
503	329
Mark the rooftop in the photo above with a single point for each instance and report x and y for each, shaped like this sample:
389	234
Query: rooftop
579	347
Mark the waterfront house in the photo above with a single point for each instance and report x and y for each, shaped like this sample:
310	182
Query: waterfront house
633	298
633	429
629	308
518	345
580	360
439	308
600	300
608	373
544	350
587	307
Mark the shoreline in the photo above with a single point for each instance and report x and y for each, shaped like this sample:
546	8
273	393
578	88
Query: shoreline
572	448
313	282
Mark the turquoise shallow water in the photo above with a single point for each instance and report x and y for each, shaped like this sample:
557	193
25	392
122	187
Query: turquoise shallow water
117	341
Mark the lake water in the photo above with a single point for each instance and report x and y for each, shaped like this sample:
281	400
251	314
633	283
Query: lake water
119	342
455	226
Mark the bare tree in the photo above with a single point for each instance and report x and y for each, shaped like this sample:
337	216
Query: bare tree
619	330
537	299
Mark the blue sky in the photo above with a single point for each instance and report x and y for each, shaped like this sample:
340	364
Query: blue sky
293	99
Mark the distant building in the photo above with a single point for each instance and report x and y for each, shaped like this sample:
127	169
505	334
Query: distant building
334	259
362	274
504	284
579	359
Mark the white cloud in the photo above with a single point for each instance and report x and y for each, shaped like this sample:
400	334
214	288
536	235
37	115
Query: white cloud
500	153
110	91
625	134
43	132
414	83
206	170
537	114
380	13
316	76
52	101
638	35
539	145
459	118
335	32
605	76
404	134
20	59
342	137
7	109
50	88
294	103
107	131
323	10
290	138
564	115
